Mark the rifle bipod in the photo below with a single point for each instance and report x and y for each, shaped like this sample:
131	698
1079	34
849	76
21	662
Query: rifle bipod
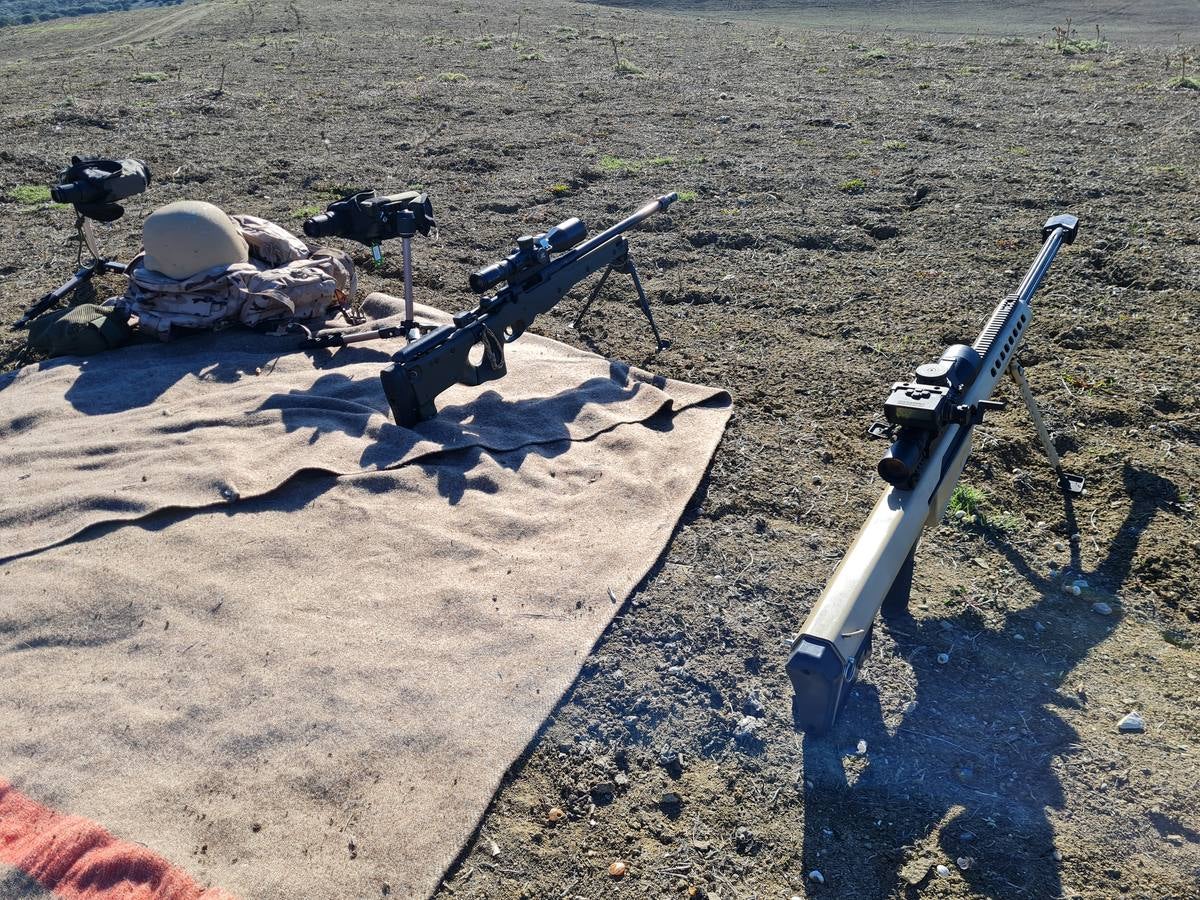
1072	484
625	266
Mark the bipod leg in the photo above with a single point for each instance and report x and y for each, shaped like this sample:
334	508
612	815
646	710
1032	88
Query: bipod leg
592	296
1072	484
411	331
643	300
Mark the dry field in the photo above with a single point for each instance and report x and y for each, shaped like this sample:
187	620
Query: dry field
851	202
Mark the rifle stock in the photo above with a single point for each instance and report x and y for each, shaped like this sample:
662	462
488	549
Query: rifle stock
876	571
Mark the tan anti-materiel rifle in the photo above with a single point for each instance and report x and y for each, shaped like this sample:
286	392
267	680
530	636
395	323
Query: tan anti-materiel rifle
929	421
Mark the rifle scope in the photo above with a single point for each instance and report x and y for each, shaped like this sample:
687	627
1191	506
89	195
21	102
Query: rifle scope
532	251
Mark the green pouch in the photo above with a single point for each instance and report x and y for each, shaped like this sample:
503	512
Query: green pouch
80	330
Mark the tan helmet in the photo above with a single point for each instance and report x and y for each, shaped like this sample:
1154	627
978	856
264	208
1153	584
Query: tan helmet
190	236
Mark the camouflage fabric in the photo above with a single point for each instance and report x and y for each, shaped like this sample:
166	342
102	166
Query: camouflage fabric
282	280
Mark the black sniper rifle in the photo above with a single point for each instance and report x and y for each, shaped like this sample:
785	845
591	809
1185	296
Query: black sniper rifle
536	282
929	422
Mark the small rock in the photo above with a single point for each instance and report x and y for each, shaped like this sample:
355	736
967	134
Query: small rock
603	791
743	837
1058	545
670	800
746	727
753	707
1102	608
816	479
967	836
943	871
1057	854
1132	723
618	868
815	875
916	871
1076	590
555	815
943	658
862	748
964	862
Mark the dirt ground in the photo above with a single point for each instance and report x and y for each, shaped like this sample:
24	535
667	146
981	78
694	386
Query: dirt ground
852	202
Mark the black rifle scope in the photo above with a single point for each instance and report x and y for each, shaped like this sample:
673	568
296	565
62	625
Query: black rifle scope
533	252
921	409
93	186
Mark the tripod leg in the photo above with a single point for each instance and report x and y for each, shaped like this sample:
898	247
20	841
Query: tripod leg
1072	483
643	300
592	297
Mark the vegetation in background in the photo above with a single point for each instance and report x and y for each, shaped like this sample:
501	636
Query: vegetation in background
26	12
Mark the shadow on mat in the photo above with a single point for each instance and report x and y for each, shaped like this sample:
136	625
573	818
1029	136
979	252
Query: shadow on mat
974	758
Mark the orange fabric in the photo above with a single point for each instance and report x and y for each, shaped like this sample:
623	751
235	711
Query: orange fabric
80	860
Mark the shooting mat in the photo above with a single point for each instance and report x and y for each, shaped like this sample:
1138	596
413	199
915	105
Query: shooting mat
255	636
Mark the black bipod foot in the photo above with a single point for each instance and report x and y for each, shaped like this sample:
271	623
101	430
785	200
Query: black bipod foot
1072	484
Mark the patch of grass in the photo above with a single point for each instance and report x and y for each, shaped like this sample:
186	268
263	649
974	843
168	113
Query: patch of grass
560	190
625	67
1082	68
877	53
688	196
1184	83
566	33
30	194
1005	521
452	76
484	44
1019	151
852	186
895	146
532	56
1179	639
924	86
148	77
822	70
306	212
966	500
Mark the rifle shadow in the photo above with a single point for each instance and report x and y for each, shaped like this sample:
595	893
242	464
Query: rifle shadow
974	757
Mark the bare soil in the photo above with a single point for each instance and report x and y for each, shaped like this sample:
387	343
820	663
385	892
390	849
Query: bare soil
854	202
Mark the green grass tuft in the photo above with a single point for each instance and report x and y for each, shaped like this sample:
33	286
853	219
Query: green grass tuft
966	500
30	194
148	77
1185	83
452	76
560	190
625	67
688	196
852	186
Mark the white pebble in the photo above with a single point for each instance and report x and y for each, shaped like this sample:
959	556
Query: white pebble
1102	608
943	658
862	748
1132	723
943	871
964	862
1076	590
1057	856
815	875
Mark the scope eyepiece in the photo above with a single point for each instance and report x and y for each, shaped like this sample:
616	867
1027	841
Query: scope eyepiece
902	459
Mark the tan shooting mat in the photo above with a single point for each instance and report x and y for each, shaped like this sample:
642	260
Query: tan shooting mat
288	682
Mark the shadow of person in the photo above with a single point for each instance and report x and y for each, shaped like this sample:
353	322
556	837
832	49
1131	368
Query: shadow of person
973	758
